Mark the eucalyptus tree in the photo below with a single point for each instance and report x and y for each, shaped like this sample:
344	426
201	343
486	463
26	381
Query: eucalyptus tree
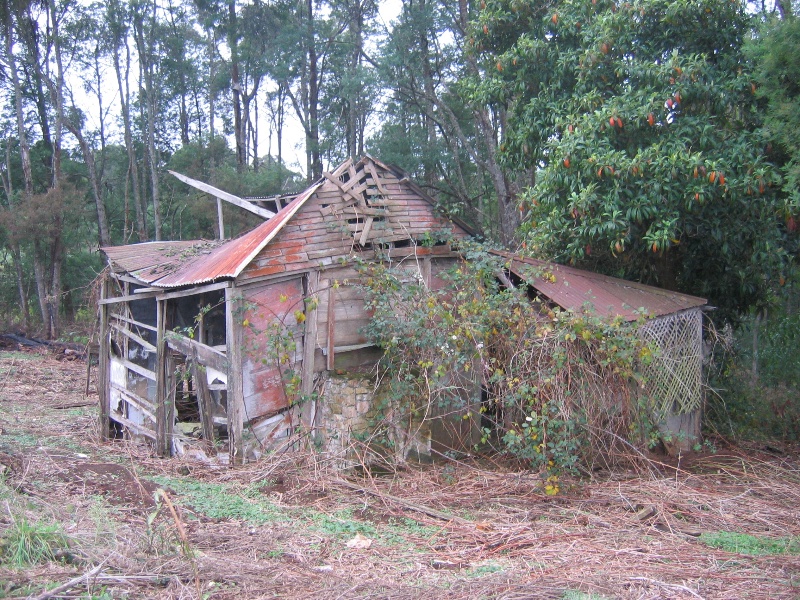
436	125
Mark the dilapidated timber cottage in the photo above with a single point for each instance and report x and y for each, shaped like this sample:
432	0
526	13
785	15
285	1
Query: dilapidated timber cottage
190	329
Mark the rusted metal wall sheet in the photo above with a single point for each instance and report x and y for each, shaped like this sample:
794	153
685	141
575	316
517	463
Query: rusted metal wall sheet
272	310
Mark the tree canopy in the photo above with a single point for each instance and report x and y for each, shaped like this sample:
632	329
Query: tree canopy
649	139
640	121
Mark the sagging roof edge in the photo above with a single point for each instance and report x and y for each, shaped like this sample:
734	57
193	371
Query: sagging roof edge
574	287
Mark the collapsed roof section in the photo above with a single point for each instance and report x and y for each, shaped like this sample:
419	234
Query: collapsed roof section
179	264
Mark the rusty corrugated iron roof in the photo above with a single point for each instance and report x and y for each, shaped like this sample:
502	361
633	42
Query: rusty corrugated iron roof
179	264
575	289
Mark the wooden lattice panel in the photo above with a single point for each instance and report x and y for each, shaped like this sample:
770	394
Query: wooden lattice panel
674	377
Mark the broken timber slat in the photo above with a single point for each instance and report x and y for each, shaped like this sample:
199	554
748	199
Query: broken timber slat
141	430
104	360
135	399
309	412
374	173
146	373
127	332
331	327
195	290
163	445
365	233
338	184
134	323
234	342
206	355
128	298
203	401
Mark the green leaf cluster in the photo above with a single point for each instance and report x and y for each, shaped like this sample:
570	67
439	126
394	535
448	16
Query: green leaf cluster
554	388
640	121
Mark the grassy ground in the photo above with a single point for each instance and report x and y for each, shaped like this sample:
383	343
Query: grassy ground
114	522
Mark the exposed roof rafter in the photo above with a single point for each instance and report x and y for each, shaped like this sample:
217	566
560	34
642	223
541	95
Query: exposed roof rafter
222	195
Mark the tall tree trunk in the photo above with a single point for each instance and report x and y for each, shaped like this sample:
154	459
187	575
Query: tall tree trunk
312	134
429	166
14	247
24	147
353	130
236	87
104	237
145	47
133	166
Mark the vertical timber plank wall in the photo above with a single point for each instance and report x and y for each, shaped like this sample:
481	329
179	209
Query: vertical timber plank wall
235	390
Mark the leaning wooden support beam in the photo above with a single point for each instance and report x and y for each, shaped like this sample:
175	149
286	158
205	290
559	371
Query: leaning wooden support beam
203	401
217	193
205	355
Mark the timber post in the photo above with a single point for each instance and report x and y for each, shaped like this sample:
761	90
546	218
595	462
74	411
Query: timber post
234	341
103	357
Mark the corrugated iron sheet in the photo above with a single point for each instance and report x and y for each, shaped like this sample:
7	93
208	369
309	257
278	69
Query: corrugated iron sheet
575	289
179	264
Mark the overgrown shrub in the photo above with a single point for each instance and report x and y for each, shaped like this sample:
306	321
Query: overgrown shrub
763	403
555	388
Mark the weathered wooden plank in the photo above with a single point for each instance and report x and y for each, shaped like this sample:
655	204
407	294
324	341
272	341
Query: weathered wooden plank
163	446
104	357
138	429
128	298
204	404
212	287
144	372
130	397
139	340
317	254
235	390
222	195
270	269
331	327
206	355
365	232
353	348
133	322
309	410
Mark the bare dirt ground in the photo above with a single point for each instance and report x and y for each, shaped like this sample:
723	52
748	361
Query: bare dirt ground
122	524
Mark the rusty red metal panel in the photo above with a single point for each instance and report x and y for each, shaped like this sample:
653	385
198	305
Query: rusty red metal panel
178	264
271	311
576	289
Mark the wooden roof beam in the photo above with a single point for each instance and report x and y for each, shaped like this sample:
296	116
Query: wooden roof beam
218	193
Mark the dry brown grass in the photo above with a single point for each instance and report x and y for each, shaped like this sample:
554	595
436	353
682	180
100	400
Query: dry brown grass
456	530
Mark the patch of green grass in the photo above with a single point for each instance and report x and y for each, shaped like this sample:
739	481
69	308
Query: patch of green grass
25	543
578	595
485	569
26	440
13	354
341	524
221	501
742	543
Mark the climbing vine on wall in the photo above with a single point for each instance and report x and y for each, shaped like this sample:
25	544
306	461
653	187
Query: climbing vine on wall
556	388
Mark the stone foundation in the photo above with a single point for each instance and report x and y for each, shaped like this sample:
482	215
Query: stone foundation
347	415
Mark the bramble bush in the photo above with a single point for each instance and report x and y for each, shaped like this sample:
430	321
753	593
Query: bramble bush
559	389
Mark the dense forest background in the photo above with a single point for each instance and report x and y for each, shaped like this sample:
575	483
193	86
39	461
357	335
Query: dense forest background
653	140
